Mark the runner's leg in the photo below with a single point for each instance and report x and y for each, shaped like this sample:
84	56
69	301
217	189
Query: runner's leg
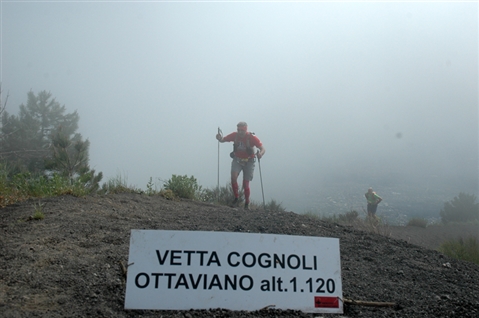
246	190
235	171
248	172
234	183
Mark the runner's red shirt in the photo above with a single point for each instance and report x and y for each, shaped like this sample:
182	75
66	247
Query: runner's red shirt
241	148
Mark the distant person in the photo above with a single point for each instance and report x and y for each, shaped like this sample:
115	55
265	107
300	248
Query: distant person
373	201
243	156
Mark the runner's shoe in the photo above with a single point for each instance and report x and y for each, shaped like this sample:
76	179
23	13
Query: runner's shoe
246	206
235	203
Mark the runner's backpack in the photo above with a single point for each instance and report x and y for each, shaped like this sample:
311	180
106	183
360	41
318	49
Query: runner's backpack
249	150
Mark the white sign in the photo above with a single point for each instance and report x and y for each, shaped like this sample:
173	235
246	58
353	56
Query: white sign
182	270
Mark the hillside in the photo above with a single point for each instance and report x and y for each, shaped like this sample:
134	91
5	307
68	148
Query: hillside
70	263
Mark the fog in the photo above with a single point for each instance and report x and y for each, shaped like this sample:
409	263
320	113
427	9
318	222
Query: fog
343	95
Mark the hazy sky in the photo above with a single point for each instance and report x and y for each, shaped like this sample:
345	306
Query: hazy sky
370	91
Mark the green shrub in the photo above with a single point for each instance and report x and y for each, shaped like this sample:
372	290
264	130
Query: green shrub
462	208
9	194
183	186
419	222
25	185
467	250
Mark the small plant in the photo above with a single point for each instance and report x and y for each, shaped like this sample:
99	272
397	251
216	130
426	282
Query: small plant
167	194
272	205
419	222
118	185
183	186
372	224
207	195
38	214
151	188
346	218
314	215
222	195
463	249
349	217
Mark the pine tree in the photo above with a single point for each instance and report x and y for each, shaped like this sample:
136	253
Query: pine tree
42	139
27	137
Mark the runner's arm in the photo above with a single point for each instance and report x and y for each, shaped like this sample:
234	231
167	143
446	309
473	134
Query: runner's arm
230	137
379	199
261	151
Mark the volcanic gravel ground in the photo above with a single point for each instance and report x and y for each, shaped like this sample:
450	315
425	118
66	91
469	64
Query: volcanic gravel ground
70	264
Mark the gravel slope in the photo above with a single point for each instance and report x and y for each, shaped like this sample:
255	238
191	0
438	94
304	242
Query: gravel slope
70	263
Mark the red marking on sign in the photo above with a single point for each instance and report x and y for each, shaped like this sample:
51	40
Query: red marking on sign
326	302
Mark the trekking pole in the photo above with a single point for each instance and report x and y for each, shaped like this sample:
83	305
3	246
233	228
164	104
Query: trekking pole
261	179
218	181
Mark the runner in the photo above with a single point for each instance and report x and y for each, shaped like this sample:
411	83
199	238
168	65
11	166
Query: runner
244	158
373	200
